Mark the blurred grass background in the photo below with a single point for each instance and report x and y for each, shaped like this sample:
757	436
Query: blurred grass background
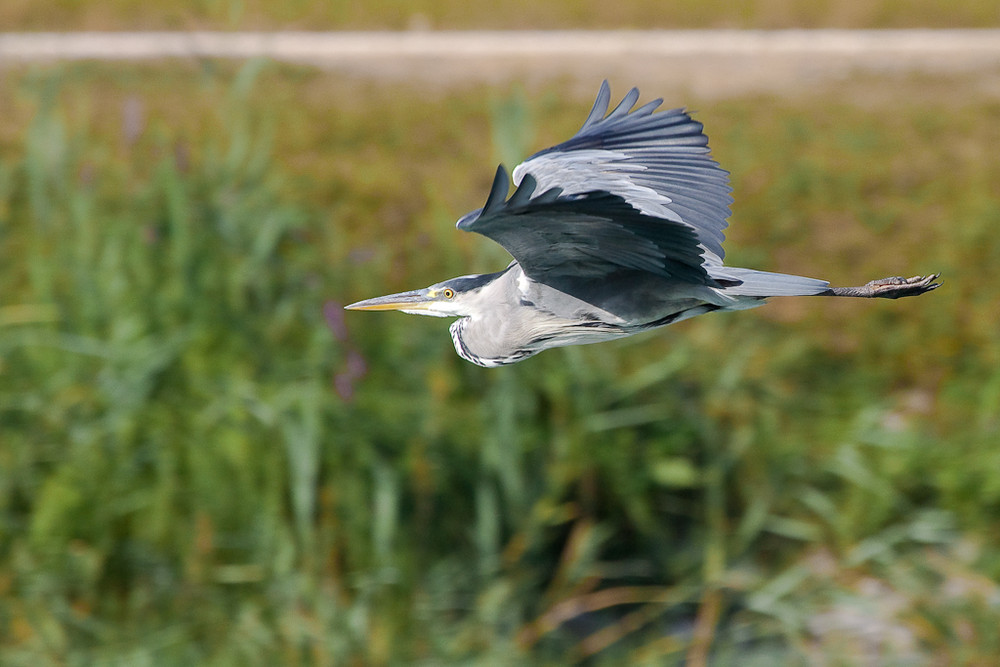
515	14
204	460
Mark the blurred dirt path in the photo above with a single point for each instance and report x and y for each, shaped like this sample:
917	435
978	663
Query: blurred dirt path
708	63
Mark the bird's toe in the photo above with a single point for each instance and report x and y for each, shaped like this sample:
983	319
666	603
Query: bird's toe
897	286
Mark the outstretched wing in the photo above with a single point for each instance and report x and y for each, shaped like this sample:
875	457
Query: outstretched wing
588	235
632	189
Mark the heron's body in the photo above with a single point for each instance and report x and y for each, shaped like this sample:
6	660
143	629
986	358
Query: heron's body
616	231
518	317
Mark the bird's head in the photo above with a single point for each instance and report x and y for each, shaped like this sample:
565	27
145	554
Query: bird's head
458	297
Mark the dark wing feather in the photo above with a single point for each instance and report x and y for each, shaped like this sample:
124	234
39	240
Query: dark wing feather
557	237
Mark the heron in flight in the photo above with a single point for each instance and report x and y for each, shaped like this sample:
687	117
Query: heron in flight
616	231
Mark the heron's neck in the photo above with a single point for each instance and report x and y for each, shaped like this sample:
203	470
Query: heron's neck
497	332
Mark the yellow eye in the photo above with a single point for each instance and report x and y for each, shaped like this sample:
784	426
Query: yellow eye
449	293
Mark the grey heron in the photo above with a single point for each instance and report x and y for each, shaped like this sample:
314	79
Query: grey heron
616	231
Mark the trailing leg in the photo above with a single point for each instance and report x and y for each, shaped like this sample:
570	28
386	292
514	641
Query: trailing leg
889	288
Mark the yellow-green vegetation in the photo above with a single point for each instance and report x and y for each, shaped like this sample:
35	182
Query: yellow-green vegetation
204	460
466	15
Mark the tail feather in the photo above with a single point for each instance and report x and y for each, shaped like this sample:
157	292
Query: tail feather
764	284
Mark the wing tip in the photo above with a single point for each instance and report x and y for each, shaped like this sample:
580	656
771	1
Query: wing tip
496	199
600	108
498	193
626	108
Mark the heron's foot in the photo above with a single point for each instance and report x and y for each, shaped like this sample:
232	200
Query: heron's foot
891	288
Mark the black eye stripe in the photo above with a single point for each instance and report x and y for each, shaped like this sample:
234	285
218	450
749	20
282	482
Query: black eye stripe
468	283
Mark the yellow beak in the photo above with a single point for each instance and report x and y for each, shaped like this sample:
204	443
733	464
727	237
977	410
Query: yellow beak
415	300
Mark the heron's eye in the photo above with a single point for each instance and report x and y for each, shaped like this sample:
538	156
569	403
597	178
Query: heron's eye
449	293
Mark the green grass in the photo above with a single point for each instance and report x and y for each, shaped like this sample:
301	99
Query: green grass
517	14
203	459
